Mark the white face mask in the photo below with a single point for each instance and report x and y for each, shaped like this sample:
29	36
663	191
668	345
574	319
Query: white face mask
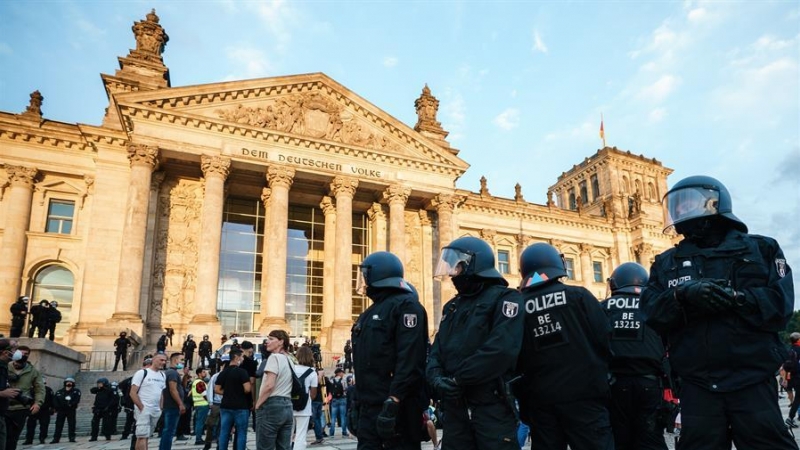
17	355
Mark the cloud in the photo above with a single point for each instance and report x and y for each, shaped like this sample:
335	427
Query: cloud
508	119
657	115
697	15
390	61
660	90
453	114
514	93
770	87
278	16
251	60
5	49
538	43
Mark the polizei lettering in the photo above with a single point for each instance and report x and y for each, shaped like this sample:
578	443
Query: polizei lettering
623	303
546	301
678	281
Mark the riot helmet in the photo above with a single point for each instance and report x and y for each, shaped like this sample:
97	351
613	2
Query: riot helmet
103	381
69	380
23	298
696	197
205	337
54	303
122	334
380	270
628	278
469	256
540	263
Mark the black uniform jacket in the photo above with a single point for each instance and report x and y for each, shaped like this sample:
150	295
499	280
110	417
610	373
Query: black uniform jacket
637	349
732	350
478	341
204	349
565	351
60	402
389	340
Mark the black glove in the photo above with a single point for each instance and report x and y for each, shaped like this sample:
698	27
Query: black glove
705	297
385	424
447	388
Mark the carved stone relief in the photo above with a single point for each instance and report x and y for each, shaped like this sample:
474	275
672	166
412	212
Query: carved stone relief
413	254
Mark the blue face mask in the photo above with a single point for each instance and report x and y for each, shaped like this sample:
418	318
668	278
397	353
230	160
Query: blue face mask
179	366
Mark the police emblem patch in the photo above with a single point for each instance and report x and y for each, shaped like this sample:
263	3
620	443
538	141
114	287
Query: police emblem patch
410	320
780	265
510	309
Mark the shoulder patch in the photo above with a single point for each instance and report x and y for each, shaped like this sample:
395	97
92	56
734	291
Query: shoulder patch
780	266
410	320
510	309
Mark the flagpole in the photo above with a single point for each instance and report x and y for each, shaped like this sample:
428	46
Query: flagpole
602	131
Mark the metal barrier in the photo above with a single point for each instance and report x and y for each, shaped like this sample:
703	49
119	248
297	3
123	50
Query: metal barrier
331	359
104	360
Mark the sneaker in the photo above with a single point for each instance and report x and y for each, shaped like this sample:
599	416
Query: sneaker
181	438
318	441
200	442
791	423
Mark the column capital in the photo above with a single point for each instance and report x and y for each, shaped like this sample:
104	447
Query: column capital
446	202
280	176
586	248
143	155
557	243
266	195
21	175
488	235
219	166
397	193
523	239
327	206
344	186
644	247
376	212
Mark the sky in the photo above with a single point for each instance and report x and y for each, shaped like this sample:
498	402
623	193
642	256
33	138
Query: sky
705	87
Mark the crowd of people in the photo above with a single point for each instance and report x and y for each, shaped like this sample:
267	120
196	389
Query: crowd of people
40	319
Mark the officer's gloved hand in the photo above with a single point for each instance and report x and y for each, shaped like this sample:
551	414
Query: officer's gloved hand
385	424
447	388
704	296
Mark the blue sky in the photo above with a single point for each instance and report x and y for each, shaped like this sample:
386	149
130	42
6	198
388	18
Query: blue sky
705	87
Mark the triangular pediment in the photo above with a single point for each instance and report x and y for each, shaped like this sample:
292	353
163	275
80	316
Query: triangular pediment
311	106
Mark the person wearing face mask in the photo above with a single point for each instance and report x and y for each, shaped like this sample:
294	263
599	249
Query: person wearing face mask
28	380
65	402
476	349
104	401
172	399
7	352
42	418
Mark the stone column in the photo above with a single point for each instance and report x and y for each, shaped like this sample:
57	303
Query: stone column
377	218
426	289
587	271
343	189
266	200
12	252
280	180
143	160
328	272
153	329
397	196
445	204
645	252
215	171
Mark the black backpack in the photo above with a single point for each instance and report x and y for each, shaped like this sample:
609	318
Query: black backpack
299	392
792	365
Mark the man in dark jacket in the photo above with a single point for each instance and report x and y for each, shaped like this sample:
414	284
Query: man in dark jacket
53	319
65	402
104	401
161	345
348	356
42	418
39	317
475	350
720	297
188	349
204	351
19	313
121	350
389	340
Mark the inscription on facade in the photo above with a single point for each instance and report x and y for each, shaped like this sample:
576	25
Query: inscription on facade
302	161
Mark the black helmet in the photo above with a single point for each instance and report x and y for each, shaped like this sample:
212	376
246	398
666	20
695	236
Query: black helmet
540	263
381	269
122	334
698	196
469	256
103	380
23	298
205	337
628	278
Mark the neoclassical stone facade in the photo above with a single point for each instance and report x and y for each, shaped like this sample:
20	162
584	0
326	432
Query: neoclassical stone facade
248	205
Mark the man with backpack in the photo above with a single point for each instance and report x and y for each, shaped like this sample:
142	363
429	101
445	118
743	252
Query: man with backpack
792	368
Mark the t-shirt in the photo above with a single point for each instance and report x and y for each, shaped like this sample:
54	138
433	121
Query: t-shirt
280	367
232	381
169	402
311	381
149	390
212	396
250	366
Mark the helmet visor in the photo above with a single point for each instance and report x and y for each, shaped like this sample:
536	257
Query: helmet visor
452	262
361	281
689	203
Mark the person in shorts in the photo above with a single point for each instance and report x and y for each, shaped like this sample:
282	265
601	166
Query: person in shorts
146	388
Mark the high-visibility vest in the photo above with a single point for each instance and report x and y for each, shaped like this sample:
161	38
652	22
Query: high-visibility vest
198	399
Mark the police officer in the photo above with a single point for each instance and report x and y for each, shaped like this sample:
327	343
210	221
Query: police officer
720	297
39	317
188	350
104	401
53	319
388	340
564	358
66	401
121	345
475	350
637	364
19	312
204	351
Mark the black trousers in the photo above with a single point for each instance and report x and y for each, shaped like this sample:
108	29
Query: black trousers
61	416
106	418
408	428
582	424
15	421
52	332
634	410
124	357
188	357
487	426
129	423
749	417
16	328
43	419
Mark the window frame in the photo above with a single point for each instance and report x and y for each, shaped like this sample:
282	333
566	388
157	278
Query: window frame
569	267
595	266
60	220
504	267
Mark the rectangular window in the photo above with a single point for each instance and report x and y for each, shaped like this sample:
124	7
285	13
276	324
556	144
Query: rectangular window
597	267
569	264
502	261
59	217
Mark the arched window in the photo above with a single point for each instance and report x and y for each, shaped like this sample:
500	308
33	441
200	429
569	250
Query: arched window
638	184
584	193
573	205
651	192
595	187
626	185
55	282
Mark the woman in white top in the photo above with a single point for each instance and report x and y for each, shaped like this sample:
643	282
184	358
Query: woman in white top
304	366
274	416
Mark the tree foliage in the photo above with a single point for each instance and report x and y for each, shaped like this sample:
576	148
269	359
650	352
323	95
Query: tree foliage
794	325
